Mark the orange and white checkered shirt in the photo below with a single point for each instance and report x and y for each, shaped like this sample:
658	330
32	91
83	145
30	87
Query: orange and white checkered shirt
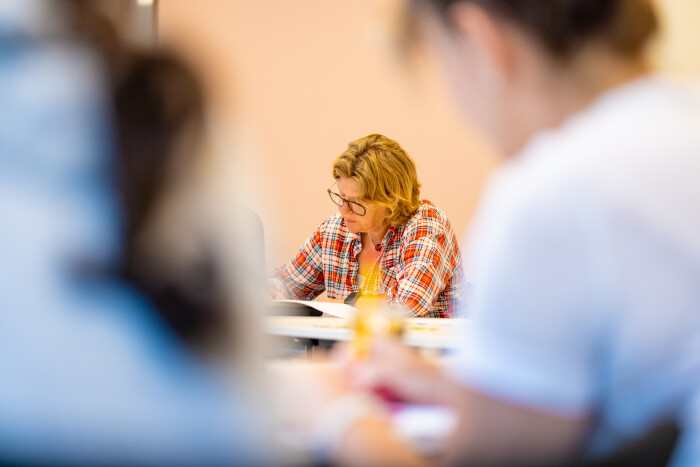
421	266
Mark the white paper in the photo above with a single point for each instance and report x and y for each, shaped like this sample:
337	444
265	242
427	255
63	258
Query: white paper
339	310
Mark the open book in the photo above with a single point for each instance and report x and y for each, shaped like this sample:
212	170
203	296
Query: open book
311	308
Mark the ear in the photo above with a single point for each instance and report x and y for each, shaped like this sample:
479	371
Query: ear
489	39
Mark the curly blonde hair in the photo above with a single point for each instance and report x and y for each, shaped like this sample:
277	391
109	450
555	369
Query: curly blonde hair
386	174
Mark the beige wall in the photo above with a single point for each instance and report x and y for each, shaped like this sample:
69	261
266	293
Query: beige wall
304	77
678	48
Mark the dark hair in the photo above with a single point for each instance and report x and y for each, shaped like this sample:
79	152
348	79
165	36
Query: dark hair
155	102
563	27
156	99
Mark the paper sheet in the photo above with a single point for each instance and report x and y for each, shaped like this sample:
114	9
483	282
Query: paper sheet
339	310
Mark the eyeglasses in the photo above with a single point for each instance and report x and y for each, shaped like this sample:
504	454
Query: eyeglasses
357	208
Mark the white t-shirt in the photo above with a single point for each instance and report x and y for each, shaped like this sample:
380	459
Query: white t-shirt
586	260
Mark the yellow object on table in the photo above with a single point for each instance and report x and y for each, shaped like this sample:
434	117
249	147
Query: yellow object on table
374	318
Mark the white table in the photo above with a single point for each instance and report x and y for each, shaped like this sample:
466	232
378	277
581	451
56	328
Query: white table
435	333
426	428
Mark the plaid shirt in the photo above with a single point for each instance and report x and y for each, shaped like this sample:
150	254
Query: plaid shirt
421	265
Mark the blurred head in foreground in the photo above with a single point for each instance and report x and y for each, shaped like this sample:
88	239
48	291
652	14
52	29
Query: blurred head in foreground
99	145
508	63
159	120
170	249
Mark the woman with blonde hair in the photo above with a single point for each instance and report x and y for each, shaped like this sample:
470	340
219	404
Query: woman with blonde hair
384	241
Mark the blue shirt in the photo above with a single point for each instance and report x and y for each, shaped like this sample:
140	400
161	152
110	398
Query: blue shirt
87	372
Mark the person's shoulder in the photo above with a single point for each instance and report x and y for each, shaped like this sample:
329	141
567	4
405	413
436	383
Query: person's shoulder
616	147
428	219
427	211
537	189
643	119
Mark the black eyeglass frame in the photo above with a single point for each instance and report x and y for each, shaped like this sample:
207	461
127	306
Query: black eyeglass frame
346	201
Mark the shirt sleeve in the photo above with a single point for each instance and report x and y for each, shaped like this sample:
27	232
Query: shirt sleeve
537	257
423	269
302	276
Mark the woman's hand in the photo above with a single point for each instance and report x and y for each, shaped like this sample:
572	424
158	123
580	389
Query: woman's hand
324	298
273	289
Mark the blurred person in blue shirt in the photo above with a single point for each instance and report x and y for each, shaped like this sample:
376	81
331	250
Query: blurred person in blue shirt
93	321
585	251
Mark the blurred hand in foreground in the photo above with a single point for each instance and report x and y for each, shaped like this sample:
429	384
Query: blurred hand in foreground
302	389
397	373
